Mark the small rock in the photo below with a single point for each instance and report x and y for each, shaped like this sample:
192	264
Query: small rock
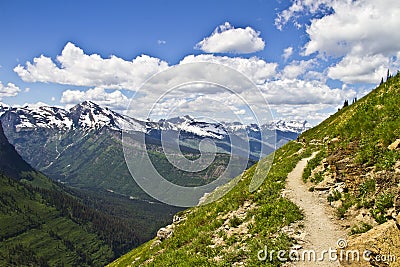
396	202
321	188
178	219
164	232
394	145
297	247
335	140
336	204
154	244
391	212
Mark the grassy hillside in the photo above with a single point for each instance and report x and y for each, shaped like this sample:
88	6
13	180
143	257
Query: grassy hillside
47	224
353	147
35	233
358	147
58	228
265	213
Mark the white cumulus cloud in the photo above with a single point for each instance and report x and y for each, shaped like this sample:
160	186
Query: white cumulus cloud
297	68
360	69
228	39
8	90
358	27
287	53
302	92
362	34
77	68
115	99
256	69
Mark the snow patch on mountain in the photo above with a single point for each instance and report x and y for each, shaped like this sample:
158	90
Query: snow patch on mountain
190	125
289	126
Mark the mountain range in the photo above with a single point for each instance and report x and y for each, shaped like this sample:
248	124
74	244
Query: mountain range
88	115
75	146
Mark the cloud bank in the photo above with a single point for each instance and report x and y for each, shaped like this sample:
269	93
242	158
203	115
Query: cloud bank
362	34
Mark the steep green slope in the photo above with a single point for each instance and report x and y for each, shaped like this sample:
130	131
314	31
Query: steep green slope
360	148
95	160
354	150
264	213
369	125
46	224
12	165
34	233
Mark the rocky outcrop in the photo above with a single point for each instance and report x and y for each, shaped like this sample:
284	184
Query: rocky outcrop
379	246
167	231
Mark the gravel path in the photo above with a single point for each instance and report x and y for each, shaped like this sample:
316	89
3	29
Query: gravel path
320	228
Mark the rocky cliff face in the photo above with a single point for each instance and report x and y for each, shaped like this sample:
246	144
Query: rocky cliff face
11	163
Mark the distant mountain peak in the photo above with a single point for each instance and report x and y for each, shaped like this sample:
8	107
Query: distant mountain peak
297	126
88	103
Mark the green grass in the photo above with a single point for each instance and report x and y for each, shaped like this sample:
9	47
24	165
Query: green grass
361	228
190	243
363	132
371	123
311	165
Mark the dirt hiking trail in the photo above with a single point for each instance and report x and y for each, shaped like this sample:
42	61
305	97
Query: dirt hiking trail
321	231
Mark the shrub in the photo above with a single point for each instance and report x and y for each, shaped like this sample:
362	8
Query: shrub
384	201
235	221
367	187
362	228
335	196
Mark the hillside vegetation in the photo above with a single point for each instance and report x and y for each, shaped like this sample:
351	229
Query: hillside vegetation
47	224
357	166
359	148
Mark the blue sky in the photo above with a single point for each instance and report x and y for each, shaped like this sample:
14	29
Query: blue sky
305	56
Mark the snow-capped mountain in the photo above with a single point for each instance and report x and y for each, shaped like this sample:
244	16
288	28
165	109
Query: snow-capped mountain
190	125
84	116
90	116
288	126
